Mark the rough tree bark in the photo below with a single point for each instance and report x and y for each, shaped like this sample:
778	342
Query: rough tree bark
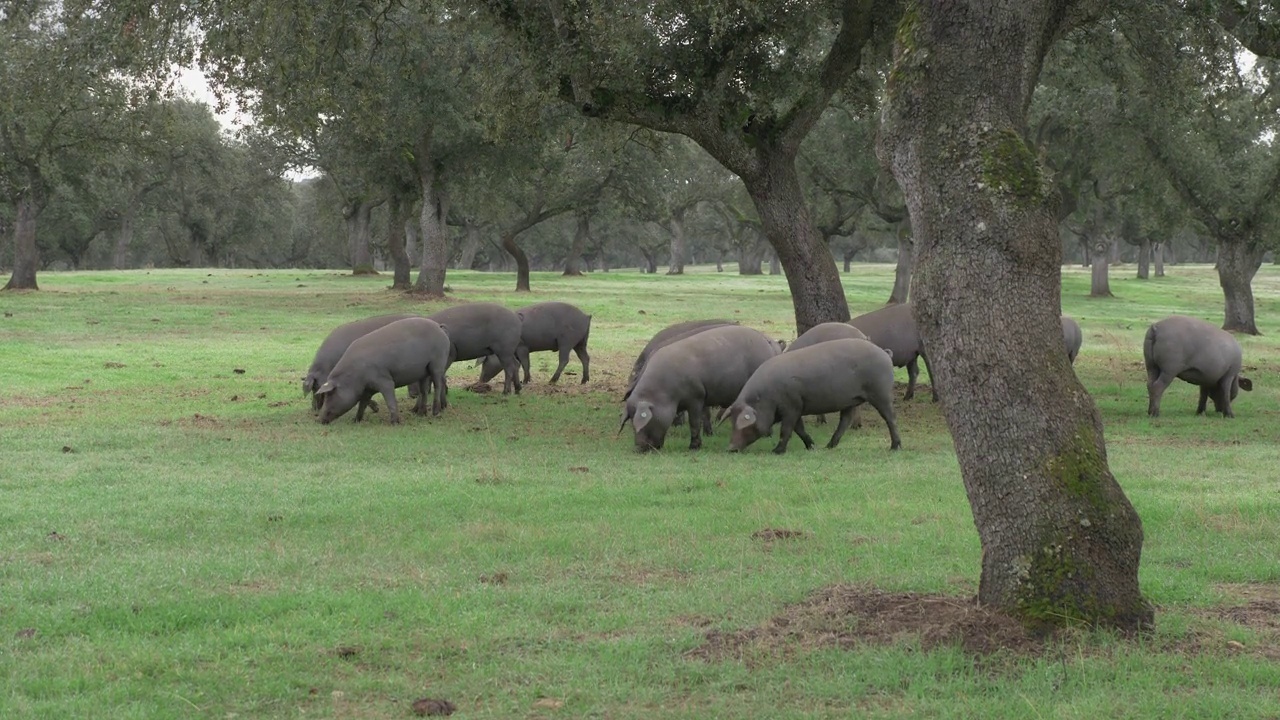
435	238
411	238
581	238
1144	259
1238	261
26	254
1060	541
1157	253
398	213
1100	280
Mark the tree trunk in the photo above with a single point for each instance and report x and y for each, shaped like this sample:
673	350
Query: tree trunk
650	261
602	256
1238	261
359	217
26	254
902	273
1144	259
435	238
1087	257
676	267
1100	283
719	260
124	239
396	221
749	259
812	276
522	261
775	267
581	237
1060	541
1157	252
470	246
848	259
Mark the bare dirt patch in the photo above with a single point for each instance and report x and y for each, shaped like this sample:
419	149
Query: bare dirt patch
848	616
770	534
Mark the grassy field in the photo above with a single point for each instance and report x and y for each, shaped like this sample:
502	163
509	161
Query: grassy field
180	538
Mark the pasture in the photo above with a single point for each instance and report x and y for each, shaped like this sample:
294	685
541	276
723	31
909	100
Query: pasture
180	538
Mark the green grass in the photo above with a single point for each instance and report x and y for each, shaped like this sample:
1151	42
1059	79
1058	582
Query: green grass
181	540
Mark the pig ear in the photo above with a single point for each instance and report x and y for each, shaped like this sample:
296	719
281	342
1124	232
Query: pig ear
626	415
1245	383
326	388
746	419
308	384
644	414
724	413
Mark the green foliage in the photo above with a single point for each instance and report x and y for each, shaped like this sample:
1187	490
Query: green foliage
203	547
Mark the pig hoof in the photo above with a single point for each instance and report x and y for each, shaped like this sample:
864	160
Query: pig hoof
896	446
779	450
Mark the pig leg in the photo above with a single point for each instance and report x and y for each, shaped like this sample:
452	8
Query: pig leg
1222	397
846	417
789	421
804	436
884	406
439	402
522	357
581	351
1204	400
1155	389
695	410
387	387
564	360
707	427
933	384
365	402
913	371
420	407
511	374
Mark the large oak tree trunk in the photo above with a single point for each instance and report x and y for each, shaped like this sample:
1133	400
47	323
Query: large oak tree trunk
1238	261
398	211
650	261
581	237
1157	254
812	276
435	238
26	254
1060	541
411	237
1100	281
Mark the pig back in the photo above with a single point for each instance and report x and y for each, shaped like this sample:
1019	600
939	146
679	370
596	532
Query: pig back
717	361
477	329
892	328
826	332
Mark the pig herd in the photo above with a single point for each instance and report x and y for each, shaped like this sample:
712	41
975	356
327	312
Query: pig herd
689	368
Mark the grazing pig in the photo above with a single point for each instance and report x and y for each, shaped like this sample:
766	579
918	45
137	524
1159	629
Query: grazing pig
548	326
824	332
1196	351
1072	336
834	376
703	370
479	329
665	337
894	328
412	351
334	346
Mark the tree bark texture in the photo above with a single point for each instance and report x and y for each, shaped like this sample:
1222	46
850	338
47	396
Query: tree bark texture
650	261
435	237
1144	259
1157	255
750	256
1238	261
411	237
26	254
581	238
398	212
902	273
1060	541
678	250
812	276
522	261
1100	280
775	266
